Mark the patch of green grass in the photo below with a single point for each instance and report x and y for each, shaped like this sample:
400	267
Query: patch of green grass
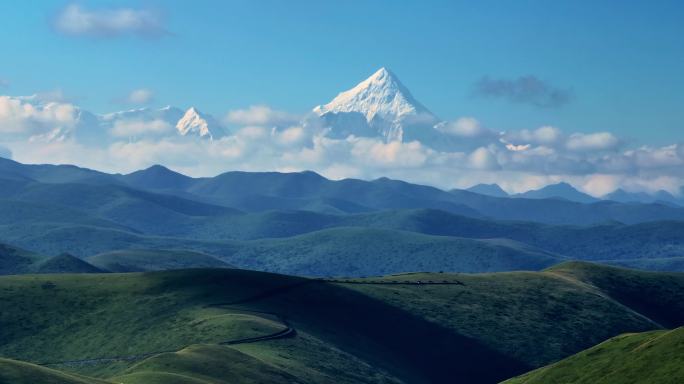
204	364
650	357
534	317
94	316
17	372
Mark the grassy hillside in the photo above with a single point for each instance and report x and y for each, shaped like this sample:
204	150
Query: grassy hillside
650	357
333	252
485	328
654	295
17	372
568	313
64	263
597	242
364	252
130	208
204	364
142	260
658	264
15	260
35	226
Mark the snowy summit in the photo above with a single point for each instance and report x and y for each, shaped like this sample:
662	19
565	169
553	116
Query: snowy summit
195	123
384	101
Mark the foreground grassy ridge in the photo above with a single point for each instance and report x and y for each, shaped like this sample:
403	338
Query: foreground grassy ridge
91	316
539	318
17	372
480	328
659	296
305	360
650	357
68	317
204	364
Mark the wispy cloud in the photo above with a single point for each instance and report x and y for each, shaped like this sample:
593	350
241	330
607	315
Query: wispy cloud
140	96
75	20
261	115
4	83
524	90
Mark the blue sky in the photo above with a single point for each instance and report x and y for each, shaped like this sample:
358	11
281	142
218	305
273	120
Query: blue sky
621	61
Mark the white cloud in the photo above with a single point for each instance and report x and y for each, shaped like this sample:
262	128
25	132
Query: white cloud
463	127
140	96
77	21
592	141
128	128
290	136
545	135
517	148
26	117
601	184
261	115
392	154
483	159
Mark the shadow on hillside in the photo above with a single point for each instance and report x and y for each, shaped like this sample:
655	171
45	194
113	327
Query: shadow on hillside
385	336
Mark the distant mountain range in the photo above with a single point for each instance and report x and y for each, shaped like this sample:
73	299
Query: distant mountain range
306	224
380	107
132	124
488	190
570	193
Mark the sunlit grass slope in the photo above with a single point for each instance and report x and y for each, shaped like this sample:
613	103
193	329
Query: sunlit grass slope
649	357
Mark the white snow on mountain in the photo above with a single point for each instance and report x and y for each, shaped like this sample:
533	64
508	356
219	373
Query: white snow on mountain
386	104
169	114
162	122
195	123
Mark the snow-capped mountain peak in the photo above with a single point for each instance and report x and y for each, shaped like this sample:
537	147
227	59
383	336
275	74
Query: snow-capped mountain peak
194	122
384	101
382	94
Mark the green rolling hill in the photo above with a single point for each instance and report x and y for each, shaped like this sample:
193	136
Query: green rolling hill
19	372
54	229
64	263
15	260
372	252
331	252
142	260
649	357
411	328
